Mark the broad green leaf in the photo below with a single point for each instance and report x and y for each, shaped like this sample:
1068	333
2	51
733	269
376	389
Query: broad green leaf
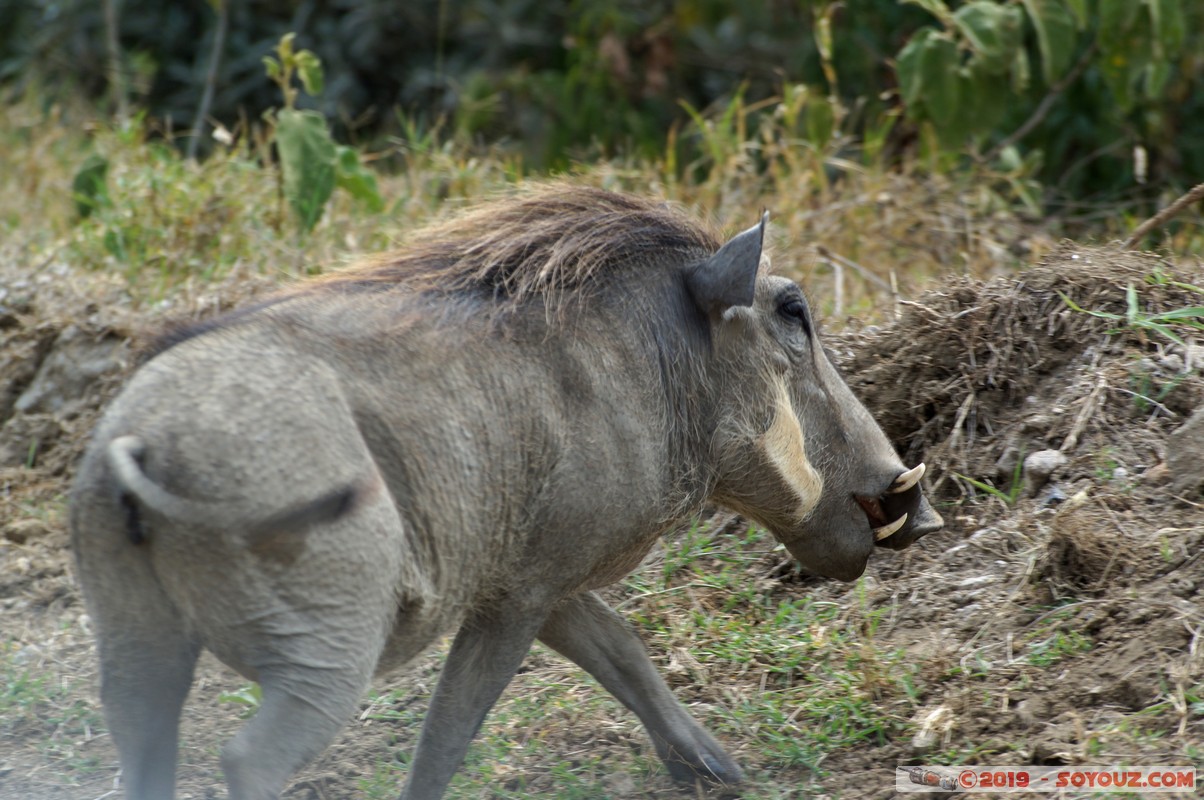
1156	76
935	7
88	188
907	66
309	70
1166	17
993	32
1056	36
272	67
307	161
355	179
983	101
940	75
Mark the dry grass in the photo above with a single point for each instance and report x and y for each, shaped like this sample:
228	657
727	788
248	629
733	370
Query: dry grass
860	235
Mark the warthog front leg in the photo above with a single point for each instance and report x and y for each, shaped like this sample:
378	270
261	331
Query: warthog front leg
587	631
485	655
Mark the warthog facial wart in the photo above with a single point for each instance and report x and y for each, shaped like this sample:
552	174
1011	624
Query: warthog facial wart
469	434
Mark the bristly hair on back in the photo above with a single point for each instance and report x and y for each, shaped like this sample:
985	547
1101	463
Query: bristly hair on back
550	240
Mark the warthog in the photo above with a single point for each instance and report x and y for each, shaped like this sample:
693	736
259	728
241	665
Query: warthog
471	434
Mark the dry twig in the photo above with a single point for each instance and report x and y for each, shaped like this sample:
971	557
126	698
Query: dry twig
1164	216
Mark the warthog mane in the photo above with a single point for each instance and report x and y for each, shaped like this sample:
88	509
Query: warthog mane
549	240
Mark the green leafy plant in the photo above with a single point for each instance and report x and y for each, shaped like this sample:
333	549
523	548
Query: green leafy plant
311	164
1160	323
1148	393
958	75
1058	646
1009	497
1012	494
249	697
89	188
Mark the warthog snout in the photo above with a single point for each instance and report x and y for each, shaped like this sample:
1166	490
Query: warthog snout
907	509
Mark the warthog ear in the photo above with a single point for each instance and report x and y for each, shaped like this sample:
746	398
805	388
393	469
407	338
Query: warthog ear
729	278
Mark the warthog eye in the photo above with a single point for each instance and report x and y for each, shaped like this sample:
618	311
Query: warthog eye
794	308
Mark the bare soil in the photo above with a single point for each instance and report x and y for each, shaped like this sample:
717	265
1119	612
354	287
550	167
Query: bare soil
1058	624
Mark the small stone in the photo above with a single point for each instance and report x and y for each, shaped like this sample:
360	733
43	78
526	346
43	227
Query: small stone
1156	474
934	726
1076	500
1039	466
1193	356
1038	423
1185	455
1171	363
1032	711
1120	475
1005	467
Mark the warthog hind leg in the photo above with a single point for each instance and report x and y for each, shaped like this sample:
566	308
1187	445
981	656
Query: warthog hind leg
146	670
486	653
147	654
587	631
286	733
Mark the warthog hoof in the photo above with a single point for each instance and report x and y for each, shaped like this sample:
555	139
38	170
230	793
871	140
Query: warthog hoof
708	762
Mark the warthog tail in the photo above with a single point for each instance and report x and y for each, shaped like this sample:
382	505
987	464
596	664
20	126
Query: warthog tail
125	457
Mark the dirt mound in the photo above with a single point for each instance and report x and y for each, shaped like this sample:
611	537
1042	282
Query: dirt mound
1071	594
975	375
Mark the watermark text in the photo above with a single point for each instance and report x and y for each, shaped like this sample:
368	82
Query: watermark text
1006	780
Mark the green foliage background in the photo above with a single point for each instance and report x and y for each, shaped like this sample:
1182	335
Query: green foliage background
556	80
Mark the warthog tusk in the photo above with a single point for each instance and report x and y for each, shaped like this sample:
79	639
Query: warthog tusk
907	480
887	530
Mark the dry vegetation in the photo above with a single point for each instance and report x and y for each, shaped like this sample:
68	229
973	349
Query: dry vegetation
1055	627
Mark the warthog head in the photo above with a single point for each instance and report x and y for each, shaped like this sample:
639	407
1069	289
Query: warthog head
795	450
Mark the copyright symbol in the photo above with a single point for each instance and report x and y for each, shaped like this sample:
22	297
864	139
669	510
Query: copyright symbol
968	779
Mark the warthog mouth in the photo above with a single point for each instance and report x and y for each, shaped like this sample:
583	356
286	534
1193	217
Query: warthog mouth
879	524
880	520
